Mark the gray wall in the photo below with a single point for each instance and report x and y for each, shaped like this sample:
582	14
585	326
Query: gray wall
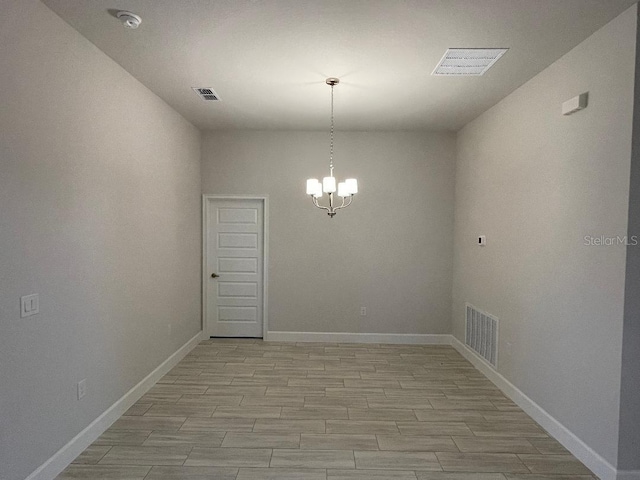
629	446
99	214
390	251
536	183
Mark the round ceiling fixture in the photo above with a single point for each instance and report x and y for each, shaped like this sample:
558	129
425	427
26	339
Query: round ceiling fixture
129	20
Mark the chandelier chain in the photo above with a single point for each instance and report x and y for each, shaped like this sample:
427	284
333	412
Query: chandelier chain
331	149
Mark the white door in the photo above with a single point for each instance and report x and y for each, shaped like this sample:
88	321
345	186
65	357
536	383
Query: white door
234	267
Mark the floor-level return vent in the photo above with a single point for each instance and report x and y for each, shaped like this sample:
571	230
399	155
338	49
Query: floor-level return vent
482	334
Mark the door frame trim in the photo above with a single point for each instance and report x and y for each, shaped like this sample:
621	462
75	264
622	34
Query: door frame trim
265	255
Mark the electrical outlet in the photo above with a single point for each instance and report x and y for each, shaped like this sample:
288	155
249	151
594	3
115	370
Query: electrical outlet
363	311
82	388
29	305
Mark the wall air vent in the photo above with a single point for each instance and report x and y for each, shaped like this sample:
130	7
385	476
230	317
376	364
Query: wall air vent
468	61
206	94
482	334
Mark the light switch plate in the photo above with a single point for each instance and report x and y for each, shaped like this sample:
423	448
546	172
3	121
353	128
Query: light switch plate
29	305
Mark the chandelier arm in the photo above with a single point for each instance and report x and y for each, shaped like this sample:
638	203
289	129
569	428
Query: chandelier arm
343	204
315	202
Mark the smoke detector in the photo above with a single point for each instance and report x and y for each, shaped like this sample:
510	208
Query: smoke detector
468	61
206	93
129	20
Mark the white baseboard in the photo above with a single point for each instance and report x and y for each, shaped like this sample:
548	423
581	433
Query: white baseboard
339	337
628	475
597	464
63	457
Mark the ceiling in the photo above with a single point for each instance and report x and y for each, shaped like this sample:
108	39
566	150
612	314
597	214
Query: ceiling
268	59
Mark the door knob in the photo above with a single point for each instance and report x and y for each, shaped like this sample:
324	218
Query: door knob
214	275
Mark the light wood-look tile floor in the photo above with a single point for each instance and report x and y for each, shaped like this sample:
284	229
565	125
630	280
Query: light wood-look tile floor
252	410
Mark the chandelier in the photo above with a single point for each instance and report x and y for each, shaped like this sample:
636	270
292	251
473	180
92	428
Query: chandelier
346	189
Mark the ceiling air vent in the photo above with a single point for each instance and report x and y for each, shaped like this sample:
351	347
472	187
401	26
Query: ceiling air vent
207	94
468	61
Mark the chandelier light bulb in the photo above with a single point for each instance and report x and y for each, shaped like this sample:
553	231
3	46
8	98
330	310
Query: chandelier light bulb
312	186
329	184
352	185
